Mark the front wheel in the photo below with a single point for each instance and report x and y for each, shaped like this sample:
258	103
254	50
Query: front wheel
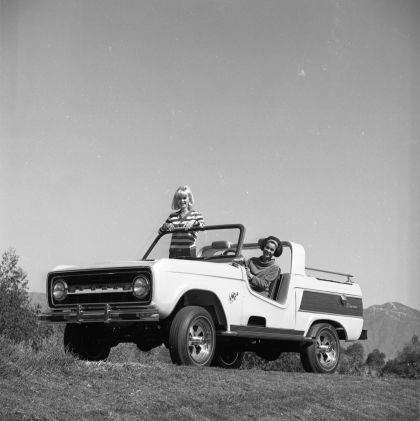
192	337
323	354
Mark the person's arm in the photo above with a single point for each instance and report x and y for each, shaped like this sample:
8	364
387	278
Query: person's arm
167	226
258	284
262	283
198	221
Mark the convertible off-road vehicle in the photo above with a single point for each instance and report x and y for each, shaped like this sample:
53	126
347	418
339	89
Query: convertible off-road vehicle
203	308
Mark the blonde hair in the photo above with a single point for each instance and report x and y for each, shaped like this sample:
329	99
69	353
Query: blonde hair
187	191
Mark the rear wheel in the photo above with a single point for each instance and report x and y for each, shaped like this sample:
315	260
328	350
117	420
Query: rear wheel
85	342
227	358
323	354
192	337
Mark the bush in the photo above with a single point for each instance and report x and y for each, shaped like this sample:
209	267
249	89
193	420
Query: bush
375	359
18	318
407	363
352	360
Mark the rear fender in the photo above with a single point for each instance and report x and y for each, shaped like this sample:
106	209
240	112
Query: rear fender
341	332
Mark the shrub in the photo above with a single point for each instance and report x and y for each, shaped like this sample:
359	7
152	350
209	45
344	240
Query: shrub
352	360
375	359
18	318
407	363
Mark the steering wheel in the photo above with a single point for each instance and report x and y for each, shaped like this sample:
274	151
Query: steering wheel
229	252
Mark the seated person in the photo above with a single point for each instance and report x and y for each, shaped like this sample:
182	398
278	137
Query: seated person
263	270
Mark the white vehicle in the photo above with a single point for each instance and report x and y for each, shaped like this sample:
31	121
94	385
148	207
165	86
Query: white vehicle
203	308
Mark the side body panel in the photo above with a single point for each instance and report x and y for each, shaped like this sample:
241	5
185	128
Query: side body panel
173	278
275	314
319	300
304	301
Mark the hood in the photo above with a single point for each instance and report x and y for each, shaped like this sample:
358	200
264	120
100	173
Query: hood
106	265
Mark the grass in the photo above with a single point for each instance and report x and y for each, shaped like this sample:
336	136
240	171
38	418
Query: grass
51	385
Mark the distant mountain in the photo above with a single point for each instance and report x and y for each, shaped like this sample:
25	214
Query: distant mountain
39	298
390	326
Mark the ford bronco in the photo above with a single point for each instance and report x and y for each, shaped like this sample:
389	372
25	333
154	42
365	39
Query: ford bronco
202	307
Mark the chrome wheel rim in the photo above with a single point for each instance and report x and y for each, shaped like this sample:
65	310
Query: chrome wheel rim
326	350
200	340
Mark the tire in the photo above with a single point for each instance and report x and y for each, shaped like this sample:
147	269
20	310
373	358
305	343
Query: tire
84	342
323	354
192	337
227	358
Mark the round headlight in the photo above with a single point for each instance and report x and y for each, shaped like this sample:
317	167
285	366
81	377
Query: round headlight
59	290
141	286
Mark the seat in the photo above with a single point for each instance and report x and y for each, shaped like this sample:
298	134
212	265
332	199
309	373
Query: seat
215	249
282	290
274	287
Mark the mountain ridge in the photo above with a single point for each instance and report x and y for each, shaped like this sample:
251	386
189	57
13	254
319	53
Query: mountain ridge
390	326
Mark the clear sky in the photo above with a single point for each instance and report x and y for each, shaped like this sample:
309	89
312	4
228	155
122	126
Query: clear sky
296	118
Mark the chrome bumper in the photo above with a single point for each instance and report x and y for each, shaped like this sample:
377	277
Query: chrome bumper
104	313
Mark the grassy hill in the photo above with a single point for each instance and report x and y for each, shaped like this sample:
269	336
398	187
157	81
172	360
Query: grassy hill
51	385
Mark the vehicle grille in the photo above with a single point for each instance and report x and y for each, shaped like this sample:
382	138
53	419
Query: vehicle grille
104	286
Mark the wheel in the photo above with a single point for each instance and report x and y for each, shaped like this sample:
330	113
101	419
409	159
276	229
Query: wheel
323	354
192	337
269	354
84	341
227	358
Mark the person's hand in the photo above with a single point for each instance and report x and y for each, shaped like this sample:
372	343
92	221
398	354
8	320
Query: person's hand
167	226
248	272
188	225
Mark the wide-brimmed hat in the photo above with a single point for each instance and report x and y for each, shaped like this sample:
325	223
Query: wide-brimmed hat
264	241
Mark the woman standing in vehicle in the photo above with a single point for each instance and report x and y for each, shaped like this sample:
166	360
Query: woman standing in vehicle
181	221
262	271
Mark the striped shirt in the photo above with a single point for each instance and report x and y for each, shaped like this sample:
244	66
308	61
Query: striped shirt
183	239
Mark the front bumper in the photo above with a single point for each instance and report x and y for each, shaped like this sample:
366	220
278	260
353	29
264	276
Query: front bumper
102	313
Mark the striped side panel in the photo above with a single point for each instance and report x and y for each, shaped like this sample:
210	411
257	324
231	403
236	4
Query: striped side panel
320	302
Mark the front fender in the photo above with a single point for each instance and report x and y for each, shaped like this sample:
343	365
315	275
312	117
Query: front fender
180	280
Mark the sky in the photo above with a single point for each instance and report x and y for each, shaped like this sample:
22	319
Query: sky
296	118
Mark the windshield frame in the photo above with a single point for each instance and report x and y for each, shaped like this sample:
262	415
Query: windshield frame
205	228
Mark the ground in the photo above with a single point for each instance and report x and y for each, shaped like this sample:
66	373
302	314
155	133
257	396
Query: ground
158	390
